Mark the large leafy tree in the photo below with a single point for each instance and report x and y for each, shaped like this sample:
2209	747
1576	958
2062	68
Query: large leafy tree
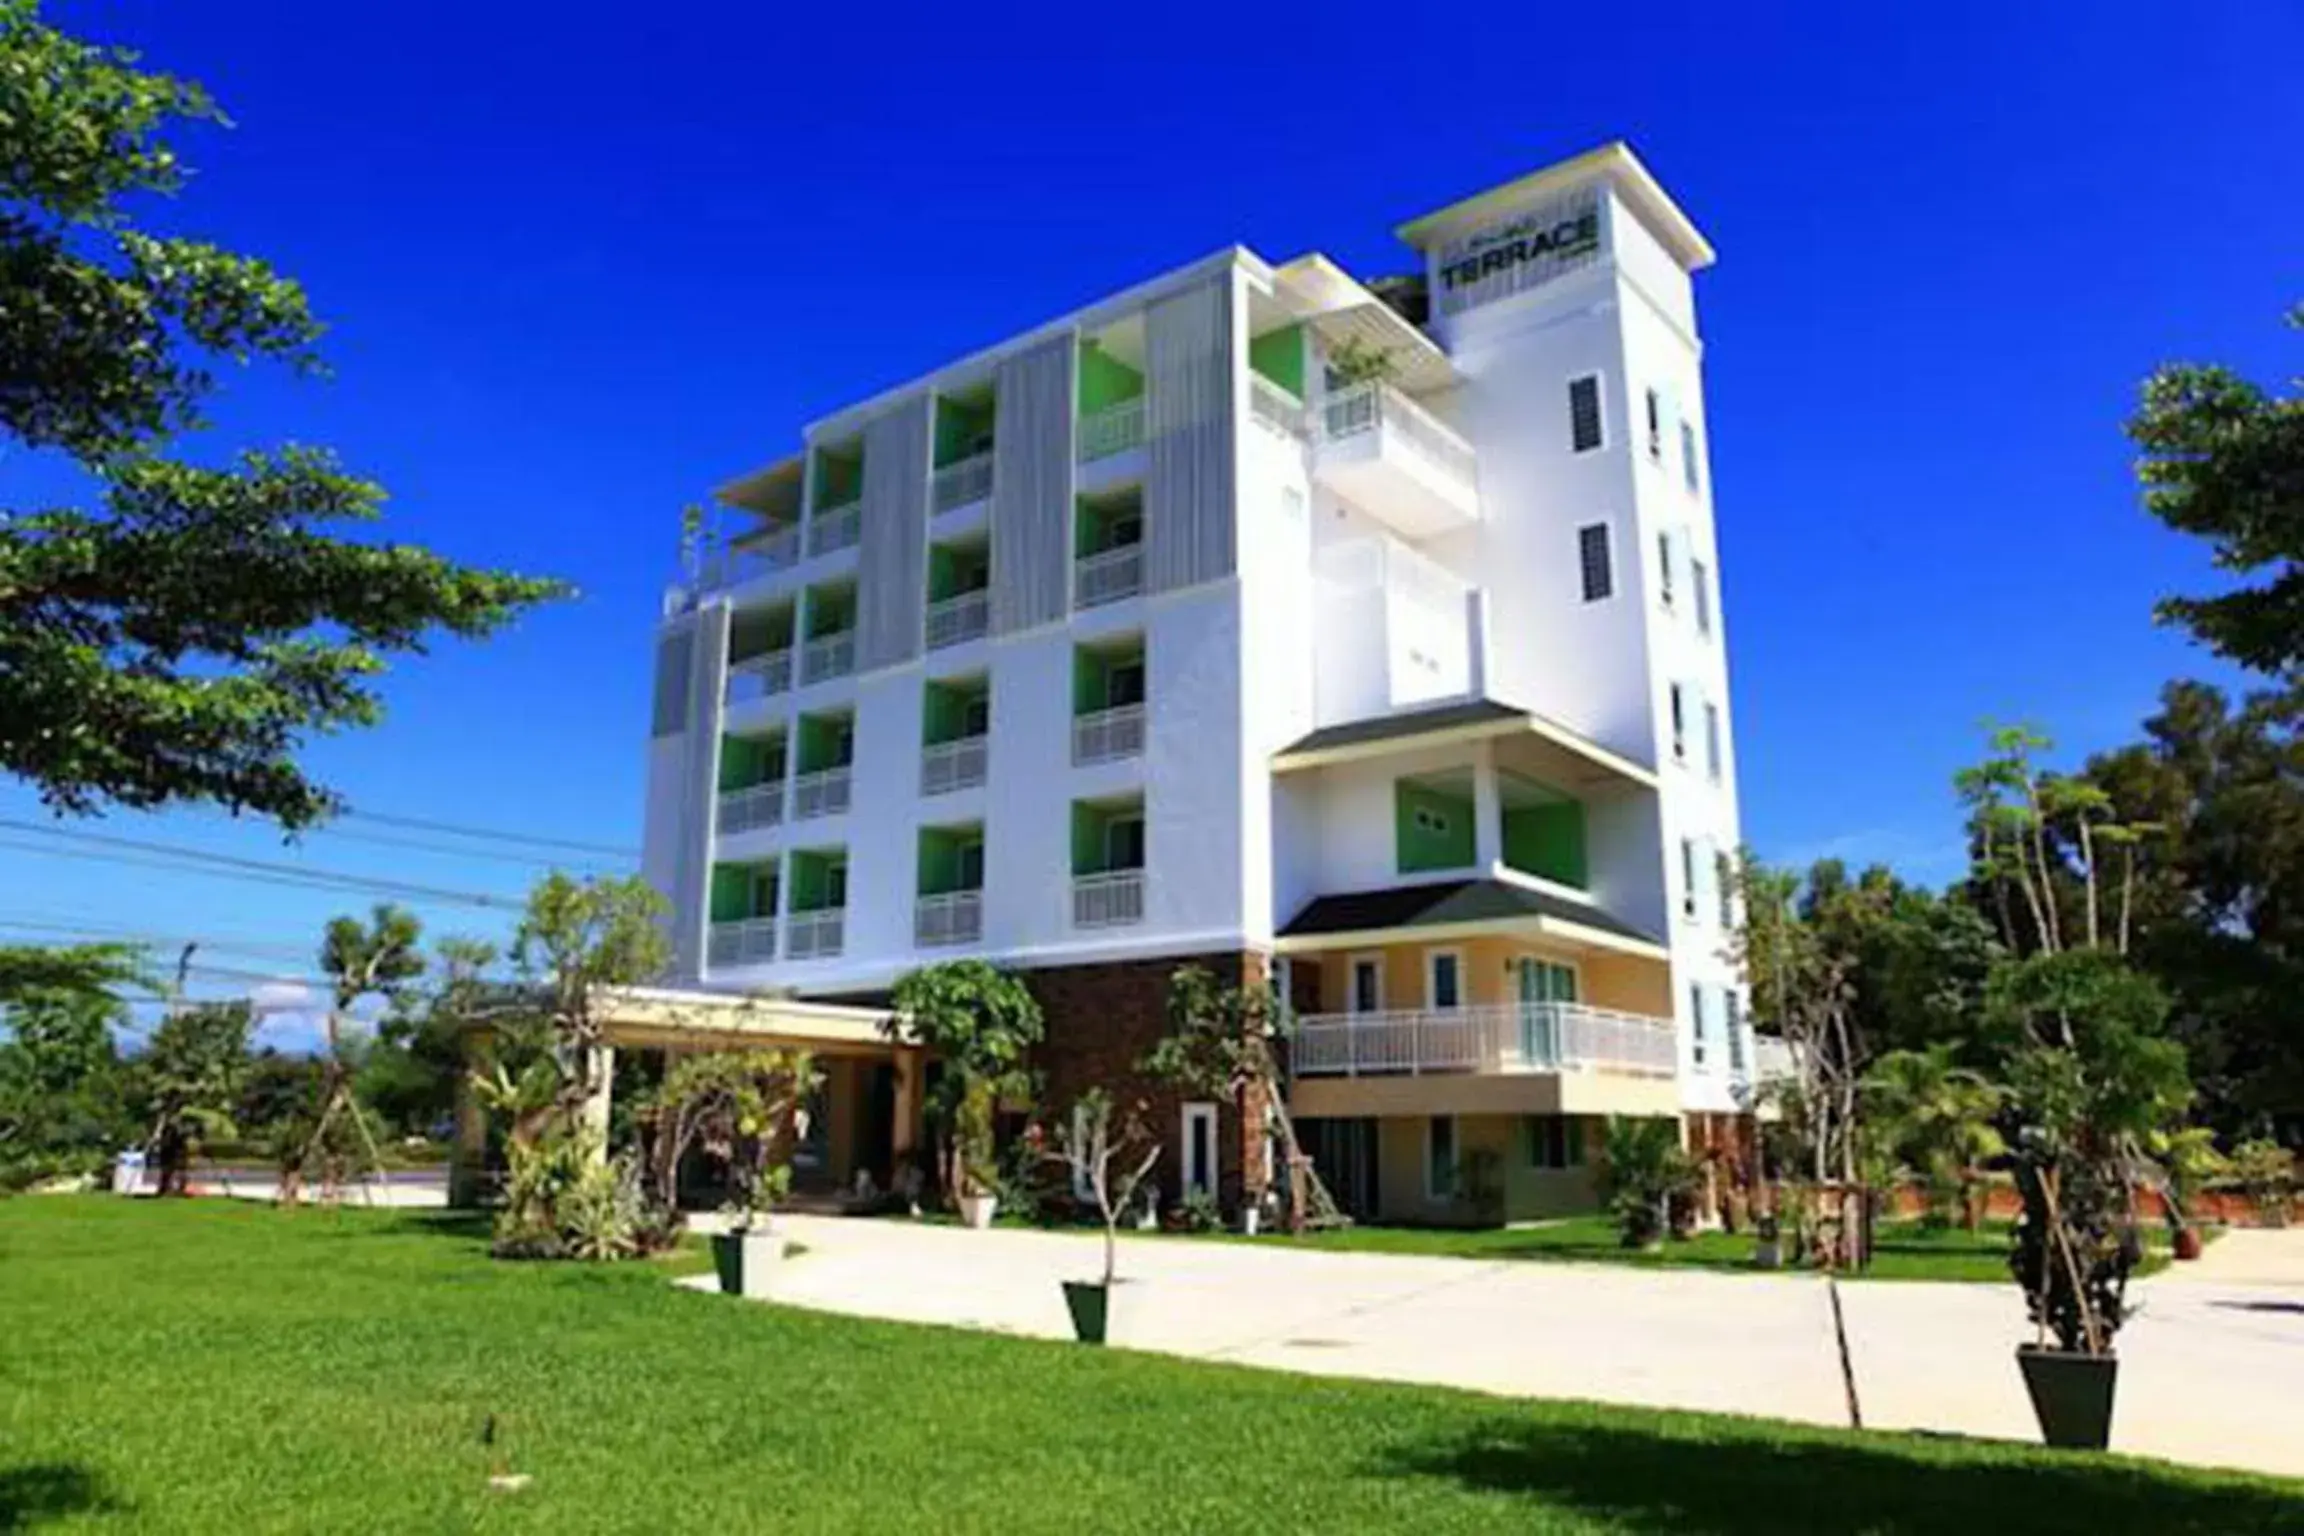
981	1023
2223	458
187	1082
177	640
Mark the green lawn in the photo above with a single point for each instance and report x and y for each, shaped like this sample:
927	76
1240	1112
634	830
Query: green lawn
212	1366
1902	1250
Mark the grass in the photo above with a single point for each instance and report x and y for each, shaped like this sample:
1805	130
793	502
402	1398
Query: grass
214	1366
1902	1250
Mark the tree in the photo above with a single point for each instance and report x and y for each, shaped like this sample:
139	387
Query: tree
1110	1159
2224	459
981	1023
1643	1170
188	1081
180	642
60	1091
737	1106
1935	1118
381	959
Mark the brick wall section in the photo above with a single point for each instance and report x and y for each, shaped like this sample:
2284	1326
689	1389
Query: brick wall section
1101	1019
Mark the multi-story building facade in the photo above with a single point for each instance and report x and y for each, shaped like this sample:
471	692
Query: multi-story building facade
1373	645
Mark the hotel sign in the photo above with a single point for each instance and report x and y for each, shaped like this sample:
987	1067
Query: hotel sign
1526	251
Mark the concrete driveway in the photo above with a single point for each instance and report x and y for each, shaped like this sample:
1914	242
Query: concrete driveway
2212	1369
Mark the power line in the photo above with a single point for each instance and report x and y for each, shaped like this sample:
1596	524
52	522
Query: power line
138	851
499	855
419	824
227	943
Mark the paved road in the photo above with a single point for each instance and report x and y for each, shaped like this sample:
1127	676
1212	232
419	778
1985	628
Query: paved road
2212	1369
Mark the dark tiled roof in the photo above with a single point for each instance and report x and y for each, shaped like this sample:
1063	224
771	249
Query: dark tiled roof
1448	901
1415	722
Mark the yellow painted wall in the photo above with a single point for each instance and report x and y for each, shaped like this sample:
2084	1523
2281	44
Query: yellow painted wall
1605	979
1529	1194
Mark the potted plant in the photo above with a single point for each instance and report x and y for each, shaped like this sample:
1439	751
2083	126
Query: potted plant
1768	1246
748	1255
2266	1174
2191	1163
1109	1161
975	1156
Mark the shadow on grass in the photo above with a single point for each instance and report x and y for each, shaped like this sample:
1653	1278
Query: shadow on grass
34	1495
2294	1308
1753	1486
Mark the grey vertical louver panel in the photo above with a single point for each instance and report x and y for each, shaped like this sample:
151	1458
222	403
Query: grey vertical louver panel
892	557
668	713
1189	423
707	673
1032	485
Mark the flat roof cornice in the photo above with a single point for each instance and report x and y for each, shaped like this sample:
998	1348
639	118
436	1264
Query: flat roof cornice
1613	163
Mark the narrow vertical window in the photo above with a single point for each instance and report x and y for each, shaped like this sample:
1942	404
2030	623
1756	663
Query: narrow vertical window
1667	565
1700	587
1593	555
1678	697
1440	1157
1724	877
1696	1021
1688	878
1688	470
1712	766
1584	413
1655	426
1732	1013
1445	980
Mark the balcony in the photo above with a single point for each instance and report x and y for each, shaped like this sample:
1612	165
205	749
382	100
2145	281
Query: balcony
835	528
748	941
1773	1061
736	564
958	619
749	809
1114	429
828	656
759	677
823	793
956	917
1107	735
1271	406
952	765
961	484
1112	898
1108	577
1508	1038
1395	460
817	935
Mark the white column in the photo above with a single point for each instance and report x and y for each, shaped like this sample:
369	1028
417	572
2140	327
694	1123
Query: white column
1487	810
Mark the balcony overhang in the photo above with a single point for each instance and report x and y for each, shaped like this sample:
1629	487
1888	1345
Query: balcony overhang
772	492
1465	1093
1613	164
660	1016
1459	909
1341	310
1547	748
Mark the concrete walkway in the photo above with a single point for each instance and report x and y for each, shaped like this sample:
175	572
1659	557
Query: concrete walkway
2212	1368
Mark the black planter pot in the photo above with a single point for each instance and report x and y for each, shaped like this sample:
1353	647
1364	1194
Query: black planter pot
728	1262
2071	1395
1090	1305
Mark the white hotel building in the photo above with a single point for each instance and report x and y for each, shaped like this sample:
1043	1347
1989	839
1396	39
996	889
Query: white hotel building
1373	644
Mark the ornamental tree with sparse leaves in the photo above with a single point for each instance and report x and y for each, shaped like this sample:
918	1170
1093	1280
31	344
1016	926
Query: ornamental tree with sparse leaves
179	639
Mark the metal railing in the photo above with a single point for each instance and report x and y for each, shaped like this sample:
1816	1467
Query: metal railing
956	917
956	620
750	941
759	677
735	564
1376	405
828	656
822	793
1114	429
949	765
1108	577
1109	899
835	527
1772	1059
817	934
956	485
1506	1037
1108	735
753	807
1274	407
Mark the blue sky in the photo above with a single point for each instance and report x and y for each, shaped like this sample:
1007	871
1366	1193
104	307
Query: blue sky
583	261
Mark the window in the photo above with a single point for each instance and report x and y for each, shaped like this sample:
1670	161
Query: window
844	744
1553	1141
1732	1014
1367	984
1678	698
1127	529
1724	876
1688	454
1700	586
1199	1149
969	859
1655	426
1083	1189
976	715
1584	413
1283	982
1124	684
1666	567
1688	878
1440	1157
1124	843
1696	1023
1712	740
1443	978
836	884
1599	569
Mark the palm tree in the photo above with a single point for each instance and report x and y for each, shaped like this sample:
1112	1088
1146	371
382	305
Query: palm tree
1644	1170
1936	1118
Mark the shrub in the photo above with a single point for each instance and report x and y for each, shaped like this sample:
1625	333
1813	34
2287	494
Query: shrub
2265	1172
1644	1170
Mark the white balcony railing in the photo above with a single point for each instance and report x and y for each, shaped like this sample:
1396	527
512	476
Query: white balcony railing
751	941
749	809
759	677
949	765
1108	735
814	935
1376	406
823	793
763	555
835	528
1108	577
956	917
956	485
1510	1037
1114	429
1772	1059
1274	407
828	656
957	620
1108	900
